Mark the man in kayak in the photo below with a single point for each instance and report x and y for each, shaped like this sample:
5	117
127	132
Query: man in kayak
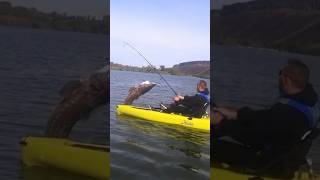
194	106
276	136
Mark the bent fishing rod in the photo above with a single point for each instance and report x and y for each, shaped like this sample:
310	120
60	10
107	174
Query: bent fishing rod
136	50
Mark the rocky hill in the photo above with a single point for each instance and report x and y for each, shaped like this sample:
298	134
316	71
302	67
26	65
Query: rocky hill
194	68
291	25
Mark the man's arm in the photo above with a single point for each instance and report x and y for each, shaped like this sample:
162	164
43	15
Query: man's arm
244	124
191	101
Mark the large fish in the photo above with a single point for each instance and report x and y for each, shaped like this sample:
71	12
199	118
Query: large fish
79	98
137	91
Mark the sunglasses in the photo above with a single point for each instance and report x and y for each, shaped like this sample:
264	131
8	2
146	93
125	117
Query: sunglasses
281	73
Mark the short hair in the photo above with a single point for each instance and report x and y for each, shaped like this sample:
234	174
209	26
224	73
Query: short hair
297	71
202	84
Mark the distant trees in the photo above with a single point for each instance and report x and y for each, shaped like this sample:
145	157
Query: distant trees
5	8
315	4
32	18
121	67
194	68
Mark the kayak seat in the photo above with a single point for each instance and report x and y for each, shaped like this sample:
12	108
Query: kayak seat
284	166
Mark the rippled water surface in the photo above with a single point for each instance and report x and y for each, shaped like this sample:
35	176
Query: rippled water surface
35	64
249	77
150	150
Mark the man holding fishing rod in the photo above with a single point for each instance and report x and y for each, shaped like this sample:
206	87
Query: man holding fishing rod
276	139
194	106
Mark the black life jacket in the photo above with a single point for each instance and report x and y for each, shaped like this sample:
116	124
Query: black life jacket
311	113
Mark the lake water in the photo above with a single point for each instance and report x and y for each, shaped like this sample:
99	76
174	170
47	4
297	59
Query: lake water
150	150
35	64
249	77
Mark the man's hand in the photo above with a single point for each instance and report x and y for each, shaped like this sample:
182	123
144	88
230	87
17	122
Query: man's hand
217	118
178	98
229	113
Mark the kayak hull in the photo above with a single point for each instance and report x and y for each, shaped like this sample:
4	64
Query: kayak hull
80	158
217	173
156	116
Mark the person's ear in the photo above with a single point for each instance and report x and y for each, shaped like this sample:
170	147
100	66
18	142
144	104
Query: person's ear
287	82
284	80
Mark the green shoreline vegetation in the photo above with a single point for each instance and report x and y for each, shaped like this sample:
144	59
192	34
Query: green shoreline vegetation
199	69
17	16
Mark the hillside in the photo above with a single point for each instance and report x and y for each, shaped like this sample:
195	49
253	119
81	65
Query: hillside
192	68
18	16
291	25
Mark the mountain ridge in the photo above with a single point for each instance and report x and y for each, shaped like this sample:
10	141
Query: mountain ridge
289	25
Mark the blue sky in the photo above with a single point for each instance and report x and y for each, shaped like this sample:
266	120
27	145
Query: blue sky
167	32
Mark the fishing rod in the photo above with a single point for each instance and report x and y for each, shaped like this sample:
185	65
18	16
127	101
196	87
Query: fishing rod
136	50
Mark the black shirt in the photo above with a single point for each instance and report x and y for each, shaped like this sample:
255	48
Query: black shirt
196	104
277	128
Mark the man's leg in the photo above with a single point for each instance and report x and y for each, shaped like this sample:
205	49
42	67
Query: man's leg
175	108
235	154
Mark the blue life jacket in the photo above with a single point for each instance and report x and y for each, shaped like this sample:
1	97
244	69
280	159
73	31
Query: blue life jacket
205	96
312	114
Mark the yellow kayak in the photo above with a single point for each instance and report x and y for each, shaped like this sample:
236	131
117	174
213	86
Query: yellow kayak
217	173
157	116
80	158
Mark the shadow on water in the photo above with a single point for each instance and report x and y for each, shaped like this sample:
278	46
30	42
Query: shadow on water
193	139
163	130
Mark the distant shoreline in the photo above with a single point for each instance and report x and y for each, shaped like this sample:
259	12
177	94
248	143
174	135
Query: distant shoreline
22	17
262	48
207	78
48	30
200	69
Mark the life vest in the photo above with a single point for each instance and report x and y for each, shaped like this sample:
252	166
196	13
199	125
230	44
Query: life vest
312	114
205	96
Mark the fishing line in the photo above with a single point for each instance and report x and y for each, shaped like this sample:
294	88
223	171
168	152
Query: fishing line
133	48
